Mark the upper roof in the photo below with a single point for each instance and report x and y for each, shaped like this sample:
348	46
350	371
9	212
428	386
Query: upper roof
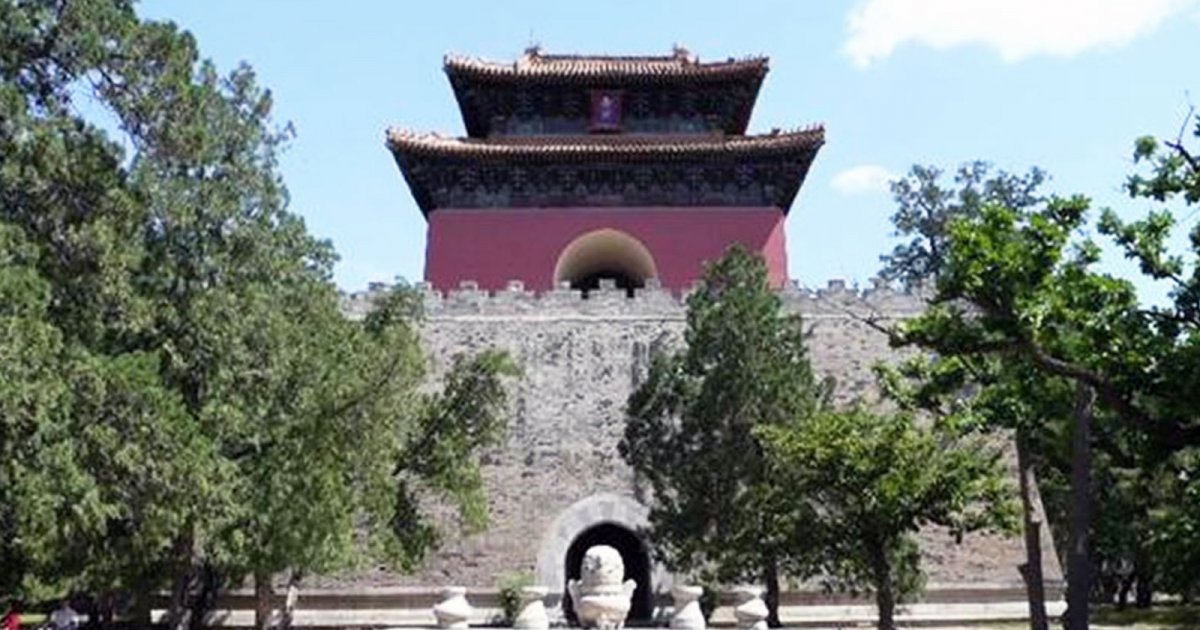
717	95
536	66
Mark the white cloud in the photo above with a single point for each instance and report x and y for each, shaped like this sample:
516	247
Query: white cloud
1015	28
861	180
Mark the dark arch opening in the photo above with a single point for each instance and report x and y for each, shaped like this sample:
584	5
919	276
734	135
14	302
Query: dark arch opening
624	281
634	555
605	254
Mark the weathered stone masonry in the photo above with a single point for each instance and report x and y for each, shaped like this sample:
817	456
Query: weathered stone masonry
559	472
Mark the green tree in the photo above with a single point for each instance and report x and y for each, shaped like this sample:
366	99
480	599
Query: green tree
183	402
690	430
876	480
1171	397
1007	260
989	395
925	207
1018	286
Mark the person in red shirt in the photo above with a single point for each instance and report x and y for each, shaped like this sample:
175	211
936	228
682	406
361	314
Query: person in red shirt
12	618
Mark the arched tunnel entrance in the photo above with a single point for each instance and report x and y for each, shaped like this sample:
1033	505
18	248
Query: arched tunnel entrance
635	556
605	254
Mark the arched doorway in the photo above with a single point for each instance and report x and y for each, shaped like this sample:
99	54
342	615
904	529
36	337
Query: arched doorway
605	254
634	555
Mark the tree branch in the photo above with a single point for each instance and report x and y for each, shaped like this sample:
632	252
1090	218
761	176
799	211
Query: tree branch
1177	145
1193	163
1109	394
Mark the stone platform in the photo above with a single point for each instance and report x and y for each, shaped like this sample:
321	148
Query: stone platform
411	607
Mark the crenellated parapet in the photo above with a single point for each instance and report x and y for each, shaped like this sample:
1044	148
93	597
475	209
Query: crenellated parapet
653	302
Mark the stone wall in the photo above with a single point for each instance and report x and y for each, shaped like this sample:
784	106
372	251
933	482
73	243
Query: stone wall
582	357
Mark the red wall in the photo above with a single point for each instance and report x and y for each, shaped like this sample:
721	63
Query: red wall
492	246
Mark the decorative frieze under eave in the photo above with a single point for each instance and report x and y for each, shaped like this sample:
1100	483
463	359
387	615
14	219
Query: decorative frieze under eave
709	170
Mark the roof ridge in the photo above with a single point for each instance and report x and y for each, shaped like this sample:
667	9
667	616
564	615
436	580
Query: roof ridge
647	138
534	61
398	139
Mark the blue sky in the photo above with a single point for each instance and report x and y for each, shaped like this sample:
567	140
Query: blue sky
1066	85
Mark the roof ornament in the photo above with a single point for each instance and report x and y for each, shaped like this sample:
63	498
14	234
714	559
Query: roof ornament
532	53
680	52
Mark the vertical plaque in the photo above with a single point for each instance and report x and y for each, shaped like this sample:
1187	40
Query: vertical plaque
606	111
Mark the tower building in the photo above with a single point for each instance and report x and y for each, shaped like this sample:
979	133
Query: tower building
581	168
584	199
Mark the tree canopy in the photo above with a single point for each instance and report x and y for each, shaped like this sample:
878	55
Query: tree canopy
874	480
182	400
690	431
1022	286
925	208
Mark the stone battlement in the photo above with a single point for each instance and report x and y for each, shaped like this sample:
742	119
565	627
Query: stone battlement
653	302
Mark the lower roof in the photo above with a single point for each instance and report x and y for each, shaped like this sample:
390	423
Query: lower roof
640	147
631	170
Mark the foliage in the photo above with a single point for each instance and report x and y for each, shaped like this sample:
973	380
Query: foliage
510	593
975	388
1172	397
925	209
1164	615
710	597
1175	527
179	391
690	429
1020	287
875	480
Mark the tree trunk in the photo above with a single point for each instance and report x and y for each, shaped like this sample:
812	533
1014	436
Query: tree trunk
1078	568
289	602
1126	582
885	596
179	607
206	598
771	577
142	605
104	609
1143	591
262	600
1031	571
1143	574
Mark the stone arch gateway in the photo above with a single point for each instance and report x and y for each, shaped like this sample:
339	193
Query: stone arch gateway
600	518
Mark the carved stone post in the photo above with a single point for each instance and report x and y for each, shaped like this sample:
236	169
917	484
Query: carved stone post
688	615
751	611
453	612
532	615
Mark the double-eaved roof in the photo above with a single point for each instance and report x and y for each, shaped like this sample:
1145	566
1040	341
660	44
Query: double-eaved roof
583	130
